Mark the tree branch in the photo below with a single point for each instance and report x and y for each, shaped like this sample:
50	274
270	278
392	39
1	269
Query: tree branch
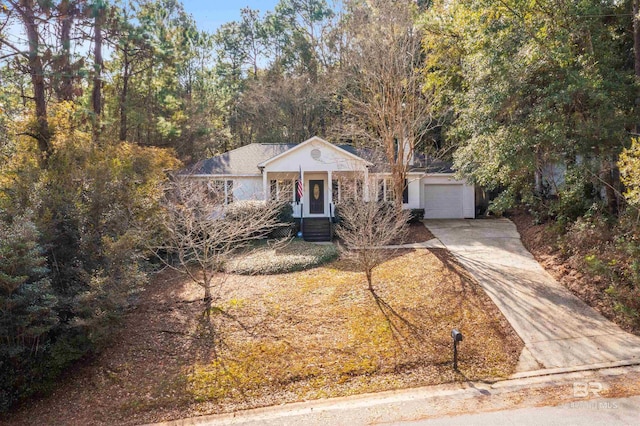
14	48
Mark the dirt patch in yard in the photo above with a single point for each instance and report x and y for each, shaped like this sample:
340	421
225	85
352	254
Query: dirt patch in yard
285	338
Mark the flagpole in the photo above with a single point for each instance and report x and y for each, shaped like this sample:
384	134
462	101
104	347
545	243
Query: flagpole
300	191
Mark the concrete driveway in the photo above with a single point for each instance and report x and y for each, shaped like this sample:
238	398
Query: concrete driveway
558	329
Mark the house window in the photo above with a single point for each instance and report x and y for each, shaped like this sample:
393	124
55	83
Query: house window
283	190
380	196
207	189
389	193
229	193
347	189
220	191
335	190
405	192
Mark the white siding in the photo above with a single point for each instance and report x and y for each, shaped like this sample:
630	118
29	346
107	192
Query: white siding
247	188
316	155
414	192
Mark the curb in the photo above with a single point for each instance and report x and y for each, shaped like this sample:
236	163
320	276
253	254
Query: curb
563	370
384	407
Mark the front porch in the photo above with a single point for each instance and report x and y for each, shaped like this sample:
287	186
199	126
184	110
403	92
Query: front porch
321	167
321	190
316	210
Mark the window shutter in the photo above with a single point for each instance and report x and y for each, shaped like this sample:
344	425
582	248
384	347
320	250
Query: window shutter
405	192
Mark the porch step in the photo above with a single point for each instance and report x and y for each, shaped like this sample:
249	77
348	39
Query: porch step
316	229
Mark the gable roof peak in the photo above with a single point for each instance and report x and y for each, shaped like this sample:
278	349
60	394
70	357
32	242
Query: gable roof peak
310	141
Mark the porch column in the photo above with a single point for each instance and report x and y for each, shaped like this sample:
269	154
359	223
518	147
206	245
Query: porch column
330	186
304	193
265	185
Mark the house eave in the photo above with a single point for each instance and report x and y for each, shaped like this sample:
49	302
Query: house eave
263	164
227	175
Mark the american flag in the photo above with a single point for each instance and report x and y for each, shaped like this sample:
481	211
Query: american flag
299	189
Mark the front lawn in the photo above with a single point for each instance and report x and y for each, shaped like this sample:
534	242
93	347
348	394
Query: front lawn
283	338
277	257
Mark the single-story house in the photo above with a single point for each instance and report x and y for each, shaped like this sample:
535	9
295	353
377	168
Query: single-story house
330	173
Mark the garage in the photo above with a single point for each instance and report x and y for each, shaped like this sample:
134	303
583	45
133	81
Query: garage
443	201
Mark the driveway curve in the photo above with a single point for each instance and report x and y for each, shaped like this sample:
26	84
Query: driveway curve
558	329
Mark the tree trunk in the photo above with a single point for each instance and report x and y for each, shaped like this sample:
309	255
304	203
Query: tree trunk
636	50
636	36
42	133
207	298
369	274
606	175
124	94
64	91
96	95
398	188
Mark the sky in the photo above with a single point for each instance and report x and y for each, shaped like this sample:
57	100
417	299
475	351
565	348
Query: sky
210	14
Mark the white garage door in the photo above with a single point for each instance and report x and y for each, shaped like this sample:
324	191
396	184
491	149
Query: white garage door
443	201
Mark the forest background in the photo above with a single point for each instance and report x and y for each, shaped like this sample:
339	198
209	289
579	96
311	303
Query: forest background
100	99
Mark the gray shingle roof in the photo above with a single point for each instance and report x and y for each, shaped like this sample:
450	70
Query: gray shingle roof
245	160
240	161
422	164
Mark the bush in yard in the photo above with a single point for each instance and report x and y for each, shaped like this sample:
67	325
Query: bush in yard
630	174
285	218
285	213
282	257
416	215
241	210
609	253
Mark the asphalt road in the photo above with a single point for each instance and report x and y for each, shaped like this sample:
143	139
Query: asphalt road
592	412
559	399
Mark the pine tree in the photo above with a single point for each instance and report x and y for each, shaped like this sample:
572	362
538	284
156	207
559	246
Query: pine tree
26	307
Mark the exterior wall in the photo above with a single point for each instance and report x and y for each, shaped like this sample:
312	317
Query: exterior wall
414	185
320	160
315	156
251	188
550	178
469	201
468	192
415	192
247	188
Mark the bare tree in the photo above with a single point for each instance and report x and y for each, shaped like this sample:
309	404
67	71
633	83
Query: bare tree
385	100
201	231
365	228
